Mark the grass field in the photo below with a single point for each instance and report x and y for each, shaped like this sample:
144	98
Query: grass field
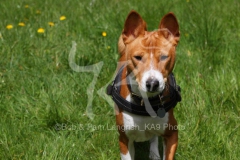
43	100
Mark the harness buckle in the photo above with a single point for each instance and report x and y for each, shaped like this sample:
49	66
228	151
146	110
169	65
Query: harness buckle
160	100
142	102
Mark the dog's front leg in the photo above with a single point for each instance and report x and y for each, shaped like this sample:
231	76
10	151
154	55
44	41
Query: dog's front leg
170	145
126	148
154	152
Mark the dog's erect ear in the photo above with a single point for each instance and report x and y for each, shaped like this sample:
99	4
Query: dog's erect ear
169	22
134	26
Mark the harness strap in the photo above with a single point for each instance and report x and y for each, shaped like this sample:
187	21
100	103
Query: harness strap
158	108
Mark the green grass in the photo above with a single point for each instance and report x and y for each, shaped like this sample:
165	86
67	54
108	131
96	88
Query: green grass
43	101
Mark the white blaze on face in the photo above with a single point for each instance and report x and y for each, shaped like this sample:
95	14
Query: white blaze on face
152	73
151	64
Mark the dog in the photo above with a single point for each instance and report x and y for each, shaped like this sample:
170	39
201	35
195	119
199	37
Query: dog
145	90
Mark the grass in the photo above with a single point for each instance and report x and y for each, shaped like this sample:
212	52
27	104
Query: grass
43	100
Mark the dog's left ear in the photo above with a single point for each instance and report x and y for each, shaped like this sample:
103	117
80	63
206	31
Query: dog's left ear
169	22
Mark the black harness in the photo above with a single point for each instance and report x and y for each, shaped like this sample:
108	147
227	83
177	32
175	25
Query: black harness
152	106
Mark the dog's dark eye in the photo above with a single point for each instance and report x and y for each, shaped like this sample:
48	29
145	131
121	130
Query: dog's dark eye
139	58
163	57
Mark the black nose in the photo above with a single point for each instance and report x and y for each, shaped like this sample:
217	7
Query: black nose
152	84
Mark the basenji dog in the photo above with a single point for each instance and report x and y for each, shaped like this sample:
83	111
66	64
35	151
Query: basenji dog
144	89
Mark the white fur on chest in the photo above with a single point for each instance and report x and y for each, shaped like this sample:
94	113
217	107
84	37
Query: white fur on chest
143	128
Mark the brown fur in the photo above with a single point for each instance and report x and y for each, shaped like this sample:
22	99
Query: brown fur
134	41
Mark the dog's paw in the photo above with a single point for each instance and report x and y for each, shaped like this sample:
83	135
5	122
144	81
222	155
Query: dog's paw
153	156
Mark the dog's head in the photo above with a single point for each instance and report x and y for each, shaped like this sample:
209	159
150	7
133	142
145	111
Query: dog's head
150	56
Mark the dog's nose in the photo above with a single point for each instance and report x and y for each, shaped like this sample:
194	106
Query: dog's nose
152	84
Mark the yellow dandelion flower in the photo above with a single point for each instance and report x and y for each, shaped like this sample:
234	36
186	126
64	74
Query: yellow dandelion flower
26	6
104	34
187	0
9	26
51	24
38	12
108	47
21	24
40	30
62	18
189	53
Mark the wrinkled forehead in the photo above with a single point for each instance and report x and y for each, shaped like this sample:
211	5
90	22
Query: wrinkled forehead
152	42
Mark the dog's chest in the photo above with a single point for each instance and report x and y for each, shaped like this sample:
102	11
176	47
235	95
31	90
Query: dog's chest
143	128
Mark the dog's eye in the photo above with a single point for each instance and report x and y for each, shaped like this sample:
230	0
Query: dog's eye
163	57
139	58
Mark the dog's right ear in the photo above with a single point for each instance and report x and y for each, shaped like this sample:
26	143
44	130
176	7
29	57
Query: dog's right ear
134	26
169	22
